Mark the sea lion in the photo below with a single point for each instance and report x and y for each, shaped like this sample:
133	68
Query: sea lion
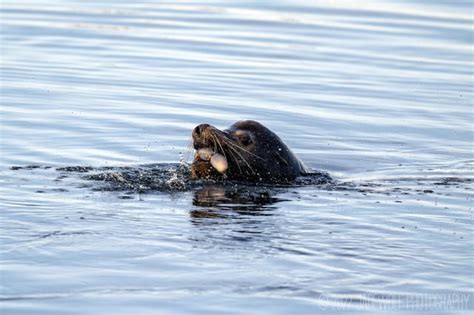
246	151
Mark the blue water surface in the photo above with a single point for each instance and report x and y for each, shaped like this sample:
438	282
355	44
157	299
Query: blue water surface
377	93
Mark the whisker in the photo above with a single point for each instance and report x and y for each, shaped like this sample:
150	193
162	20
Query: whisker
246	151
216	140
235	159
243	159
220	138
234	147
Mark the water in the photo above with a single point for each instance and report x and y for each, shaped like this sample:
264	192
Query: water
377	94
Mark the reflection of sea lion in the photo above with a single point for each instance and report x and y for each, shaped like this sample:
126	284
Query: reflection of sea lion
220	200
234	197
246	151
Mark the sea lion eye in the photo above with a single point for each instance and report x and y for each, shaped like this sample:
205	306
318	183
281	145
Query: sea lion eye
246	141
243	137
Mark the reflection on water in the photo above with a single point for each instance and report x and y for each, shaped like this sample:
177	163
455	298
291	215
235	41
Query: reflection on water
99	97
234	197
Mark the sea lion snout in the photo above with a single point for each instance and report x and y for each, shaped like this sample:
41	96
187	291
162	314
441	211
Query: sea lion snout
208	160
201	136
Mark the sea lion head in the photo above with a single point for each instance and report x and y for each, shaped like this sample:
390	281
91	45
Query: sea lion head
246	151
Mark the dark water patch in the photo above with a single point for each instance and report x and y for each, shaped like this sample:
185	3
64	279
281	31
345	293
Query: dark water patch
126	197
59	190
452	181
175	177
145	178
59	178
28	167
62	234
78	169
171	177
56	190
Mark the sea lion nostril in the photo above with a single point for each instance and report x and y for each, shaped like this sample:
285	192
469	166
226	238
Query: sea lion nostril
200	129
